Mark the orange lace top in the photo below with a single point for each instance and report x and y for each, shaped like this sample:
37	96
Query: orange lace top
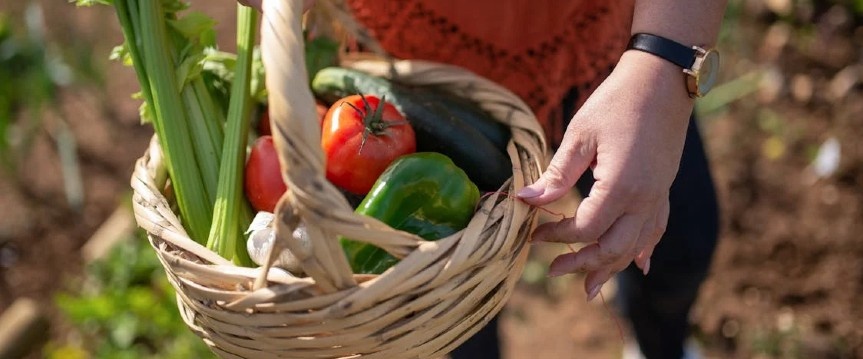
539	49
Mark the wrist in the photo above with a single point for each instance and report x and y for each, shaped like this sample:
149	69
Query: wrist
655	77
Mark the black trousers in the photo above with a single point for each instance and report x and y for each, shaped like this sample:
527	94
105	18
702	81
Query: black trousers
657	305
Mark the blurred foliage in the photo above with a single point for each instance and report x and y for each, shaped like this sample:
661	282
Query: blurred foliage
126	309
34	68
27	81
778	343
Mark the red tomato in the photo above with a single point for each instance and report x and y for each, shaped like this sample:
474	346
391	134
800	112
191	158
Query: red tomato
360	139
263	178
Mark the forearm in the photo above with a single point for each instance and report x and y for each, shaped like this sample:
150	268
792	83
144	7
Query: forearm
661	83
685	21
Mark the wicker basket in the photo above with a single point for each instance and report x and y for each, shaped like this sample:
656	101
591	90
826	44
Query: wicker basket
439	295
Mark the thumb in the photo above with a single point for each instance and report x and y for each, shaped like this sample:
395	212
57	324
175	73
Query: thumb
568	164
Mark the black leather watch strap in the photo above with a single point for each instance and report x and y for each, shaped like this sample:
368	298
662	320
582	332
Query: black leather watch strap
673	51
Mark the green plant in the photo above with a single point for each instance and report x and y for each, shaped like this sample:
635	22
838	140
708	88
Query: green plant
169	49
25	83
32	74
126	309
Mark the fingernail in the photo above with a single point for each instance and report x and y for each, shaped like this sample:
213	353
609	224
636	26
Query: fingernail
593	292
528	192
647	266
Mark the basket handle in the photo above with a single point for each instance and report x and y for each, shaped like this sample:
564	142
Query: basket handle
296	134
297	139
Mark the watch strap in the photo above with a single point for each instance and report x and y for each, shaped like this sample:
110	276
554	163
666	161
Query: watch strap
673	51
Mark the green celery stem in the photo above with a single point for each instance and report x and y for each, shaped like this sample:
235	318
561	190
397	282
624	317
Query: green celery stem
207	148
215	118
231	214
171	120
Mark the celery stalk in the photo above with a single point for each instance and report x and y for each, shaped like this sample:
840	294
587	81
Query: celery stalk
122	9
231	214
207	148
212	112
171	120
204	159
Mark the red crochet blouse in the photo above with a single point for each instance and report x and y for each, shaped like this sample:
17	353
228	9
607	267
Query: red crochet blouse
539	49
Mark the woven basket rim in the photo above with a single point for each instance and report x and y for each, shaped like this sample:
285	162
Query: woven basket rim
149	165
432	300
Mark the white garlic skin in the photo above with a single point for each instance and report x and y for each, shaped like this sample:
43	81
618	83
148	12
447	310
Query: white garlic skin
262	238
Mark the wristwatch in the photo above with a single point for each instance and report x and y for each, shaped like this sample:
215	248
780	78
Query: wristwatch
699	64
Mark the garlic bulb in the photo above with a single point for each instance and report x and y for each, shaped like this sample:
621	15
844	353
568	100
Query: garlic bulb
263	237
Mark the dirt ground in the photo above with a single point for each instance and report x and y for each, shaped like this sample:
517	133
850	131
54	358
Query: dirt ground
788	272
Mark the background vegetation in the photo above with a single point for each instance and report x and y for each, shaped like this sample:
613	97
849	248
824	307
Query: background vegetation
782	132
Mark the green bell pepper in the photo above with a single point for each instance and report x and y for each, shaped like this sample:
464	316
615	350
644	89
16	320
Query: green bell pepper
422	193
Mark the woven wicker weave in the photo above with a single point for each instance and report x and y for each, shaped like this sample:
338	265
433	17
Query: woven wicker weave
435	298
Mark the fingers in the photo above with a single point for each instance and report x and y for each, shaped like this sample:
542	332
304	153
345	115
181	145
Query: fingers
657	229
601	260
614	247
641	245
594	216
593	282
568	164
564	231
647	240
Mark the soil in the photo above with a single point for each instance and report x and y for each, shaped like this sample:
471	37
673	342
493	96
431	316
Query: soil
787	275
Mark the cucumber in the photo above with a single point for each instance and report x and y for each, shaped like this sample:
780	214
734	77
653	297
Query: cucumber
334	83
467	111
436	129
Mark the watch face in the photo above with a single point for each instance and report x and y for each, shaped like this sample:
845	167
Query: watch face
708	72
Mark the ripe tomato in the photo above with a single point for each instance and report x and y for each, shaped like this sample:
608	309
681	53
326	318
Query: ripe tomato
263	178
361	136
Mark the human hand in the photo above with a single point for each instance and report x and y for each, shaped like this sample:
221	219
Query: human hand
631	132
